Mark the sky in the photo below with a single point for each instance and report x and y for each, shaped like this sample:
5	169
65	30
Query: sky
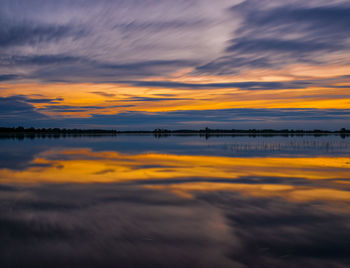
175	64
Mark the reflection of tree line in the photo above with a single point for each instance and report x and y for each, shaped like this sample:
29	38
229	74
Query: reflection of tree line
207	132
276	147
252	131
32	133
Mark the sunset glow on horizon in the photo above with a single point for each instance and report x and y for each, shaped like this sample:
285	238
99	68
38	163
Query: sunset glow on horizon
175	64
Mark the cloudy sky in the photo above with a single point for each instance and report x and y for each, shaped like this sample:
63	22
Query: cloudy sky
141	64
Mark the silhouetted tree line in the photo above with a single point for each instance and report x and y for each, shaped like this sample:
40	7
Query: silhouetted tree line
54	130
253	131
159	131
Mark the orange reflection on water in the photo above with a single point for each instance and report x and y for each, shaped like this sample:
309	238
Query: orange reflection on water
86	166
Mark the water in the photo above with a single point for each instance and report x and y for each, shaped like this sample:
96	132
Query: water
175	201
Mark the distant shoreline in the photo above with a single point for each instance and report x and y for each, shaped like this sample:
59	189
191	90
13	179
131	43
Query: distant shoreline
162	132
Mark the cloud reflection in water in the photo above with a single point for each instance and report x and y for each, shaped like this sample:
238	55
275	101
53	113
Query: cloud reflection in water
71	206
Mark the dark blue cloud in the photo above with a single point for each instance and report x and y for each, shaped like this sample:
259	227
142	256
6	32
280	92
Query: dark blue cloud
324	19
143	68
248	45
72	108
44	100
151	99
27	33
73	69
232	64
17	110
159	25
241	85
272	35
7	77
104	94
144	65
8	60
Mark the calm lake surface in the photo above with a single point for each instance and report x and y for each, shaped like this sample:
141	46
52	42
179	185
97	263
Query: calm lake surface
175	201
